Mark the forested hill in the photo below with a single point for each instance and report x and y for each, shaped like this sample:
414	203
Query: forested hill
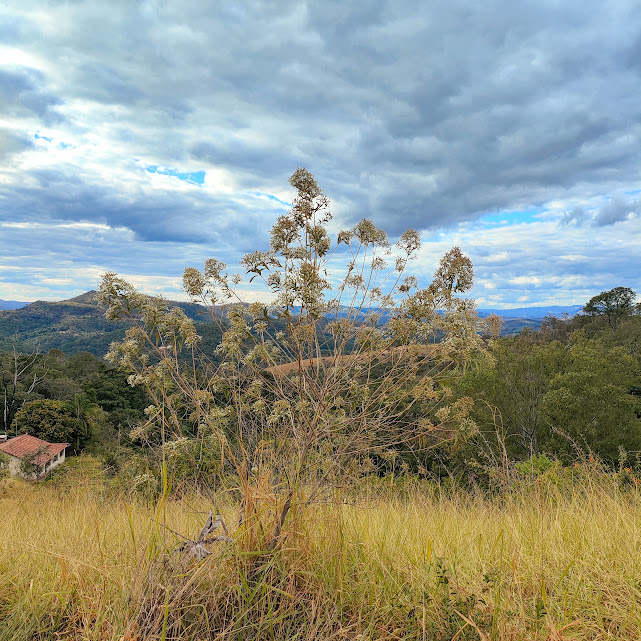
78	325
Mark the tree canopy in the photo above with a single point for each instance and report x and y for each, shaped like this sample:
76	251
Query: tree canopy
53	421
612	305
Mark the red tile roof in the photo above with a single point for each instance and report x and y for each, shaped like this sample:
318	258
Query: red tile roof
26	445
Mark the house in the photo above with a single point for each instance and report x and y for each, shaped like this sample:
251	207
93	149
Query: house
32	457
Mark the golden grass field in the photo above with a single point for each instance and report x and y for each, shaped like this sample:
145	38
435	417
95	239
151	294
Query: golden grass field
79	560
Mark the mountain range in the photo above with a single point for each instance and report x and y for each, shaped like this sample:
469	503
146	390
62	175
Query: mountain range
79	324
11	304
532	312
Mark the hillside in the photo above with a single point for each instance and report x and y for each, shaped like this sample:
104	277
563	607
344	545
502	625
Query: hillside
79	325
519	318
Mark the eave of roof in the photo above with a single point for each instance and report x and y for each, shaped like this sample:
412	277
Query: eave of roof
27	445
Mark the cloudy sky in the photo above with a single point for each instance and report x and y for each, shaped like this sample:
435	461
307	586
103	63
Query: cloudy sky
142	137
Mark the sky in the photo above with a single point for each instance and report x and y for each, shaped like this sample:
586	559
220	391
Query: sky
145	137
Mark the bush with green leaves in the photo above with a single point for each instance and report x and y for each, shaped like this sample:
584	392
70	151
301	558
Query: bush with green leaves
348	360
589	407
53	421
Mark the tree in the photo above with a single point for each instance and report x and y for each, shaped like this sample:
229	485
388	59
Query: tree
53	421
21	375
613	305
342	366
33	465
4	468
589	405
513	389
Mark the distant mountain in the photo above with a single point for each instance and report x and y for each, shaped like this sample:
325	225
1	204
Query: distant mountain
79	325
519	318
532	312
11	304
514	319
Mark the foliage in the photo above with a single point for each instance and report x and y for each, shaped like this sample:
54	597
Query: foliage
4	467
56	422
536	465
567	390
96	392
30	467
515	384
589	405
613	305
74	326
21	374
365	372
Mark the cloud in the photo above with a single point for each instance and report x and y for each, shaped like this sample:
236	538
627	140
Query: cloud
541	270
12	143
21	93
500	257
415	116
539	263
616	211
576	216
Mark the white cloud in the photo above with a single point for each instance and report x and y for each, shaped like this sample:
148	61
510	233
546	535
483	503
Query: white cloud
526	280
521	106
497	258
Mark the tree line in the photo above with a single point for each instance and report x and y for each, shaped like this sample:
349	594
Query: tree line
569	391
79	399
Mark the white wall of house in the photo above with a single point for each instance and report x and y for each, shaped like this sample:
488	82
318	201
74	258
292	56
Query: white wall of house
59	458
14	465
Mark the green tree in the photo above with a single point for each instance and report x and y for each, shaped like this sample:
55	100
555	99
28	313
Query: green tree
53	421
589	406
512	389
612	305
4	468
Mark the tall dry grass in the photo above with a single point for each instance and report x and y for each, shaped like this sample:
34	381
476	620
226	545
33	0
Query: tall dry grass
398	561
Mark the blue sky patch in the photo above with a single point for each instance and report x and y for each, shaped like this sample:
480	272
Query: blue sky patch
193	177
271	197
61	145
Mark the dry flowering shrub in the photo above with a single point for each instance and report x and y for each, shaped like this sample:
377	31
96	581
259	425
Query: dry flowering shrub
351	360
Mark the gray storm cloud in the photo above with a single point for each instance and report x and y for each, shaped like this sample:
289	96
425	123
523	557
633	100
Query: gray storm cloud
415	114
613	211
616	211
